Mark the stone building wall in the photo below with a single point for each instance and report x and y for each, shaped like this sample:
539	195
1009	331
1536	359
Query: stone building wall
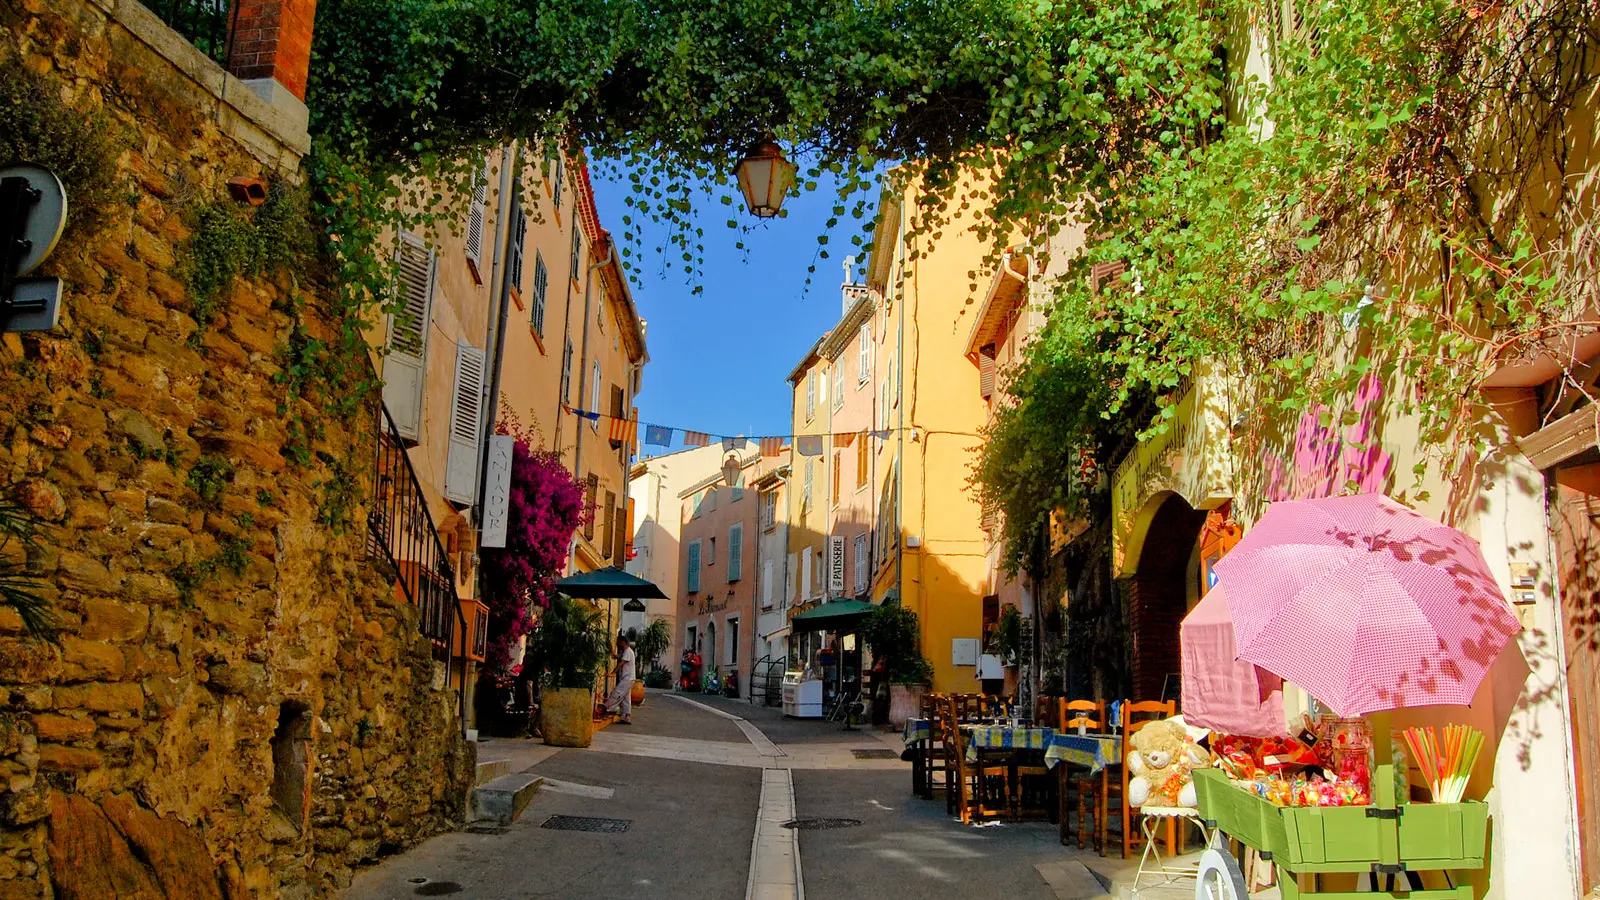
257	734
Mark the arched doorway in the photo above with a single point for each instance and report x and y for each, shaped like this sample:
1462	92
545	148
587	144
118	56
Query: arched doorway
1159	595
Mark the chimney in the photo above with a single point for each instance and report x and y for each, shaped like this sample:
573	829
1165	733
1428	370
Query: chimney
271	48
849	296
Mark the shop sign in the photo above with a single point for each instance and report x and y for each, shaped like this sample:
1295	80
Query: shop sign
497	491
836	564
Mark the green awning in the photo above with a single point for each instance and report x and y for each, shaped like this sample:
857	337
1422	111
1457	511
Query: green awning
610	583
831	615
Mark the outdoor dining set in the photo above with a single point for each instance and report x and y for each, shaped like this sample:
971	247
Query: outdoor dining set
1066	763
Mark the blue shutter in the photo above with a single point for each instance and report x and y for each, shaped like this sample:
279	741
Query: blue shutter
694	566
541	285
735	552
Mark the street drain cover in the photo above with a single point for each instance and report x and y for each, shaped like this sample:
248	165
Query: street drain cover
438	889
875	754
821	824
587	823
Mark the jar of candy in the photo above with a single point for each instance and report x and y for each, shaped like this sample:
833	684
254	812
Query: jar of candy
1350	751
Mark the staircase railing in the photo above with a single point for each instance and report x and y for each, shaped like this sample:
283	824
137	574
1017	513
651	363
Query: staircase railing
400	527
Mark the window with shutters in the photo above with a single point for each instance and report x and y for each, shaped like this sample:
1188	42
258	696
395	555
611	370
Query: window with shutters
769	510
608	527
558	178
476	214
805	497
883	403
694	567
519	238
861	460
711	551
766	584
617	410
577	247
735	551
466	425
620	521
838	458
986	371
894	384
566	373
811	394
838	388
864	356
591	489
541	288
1105	274
404	364
594	396
862	563
733	641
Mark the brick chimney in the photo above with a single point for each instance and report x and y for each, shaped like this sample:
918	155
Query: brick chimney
271	49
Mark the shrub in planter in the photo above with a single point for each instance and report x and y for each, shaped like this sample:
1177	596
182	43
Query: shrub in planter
891	632
571	646
658	678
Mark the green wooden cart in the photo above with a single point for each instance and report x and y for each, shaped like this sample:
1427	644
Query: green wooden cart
1383	839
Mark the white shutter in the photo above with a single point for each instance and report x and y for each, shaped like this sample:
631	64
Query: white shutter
404	364
805	574
766	584
466	425
865	354
475	217
861	563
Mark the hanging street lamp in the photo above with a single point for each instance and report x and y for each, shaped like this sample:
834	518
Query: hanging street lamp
765	178
731	469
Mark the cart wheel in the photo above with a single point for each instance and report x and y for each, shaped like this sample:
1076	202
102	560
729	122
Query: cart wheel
1219	877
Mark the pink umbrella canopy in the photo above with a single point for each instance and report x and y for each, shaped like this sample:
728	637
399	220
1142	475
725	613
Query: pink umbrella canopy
1365	604
1221	691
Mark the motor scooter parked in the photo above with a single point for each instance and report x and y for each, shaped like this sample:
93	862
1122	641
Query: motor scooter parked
712	683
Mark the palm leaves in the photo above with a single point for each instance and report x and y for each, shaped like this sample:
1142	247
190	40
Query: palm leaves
18	589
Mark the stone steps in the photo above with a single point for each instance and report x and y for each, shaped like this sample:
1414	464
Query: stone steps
490	769
502	800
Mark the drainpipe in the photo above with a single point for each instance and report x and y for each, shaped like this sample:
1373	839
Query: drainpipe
900	426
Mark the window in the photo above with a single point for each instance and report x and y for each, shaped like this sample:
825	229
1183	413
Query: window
577	247
711	499
519	237
558	178
811	395
864	355
838	391
986	357
591	489
838	457
805	498
861	563
735	551
608	525
405	363
566	374
883	403
733	641
694	572
475	216
466	425
594	396
711	552
861	460
766	584
769	509
697	500
894	384
816	574
541	287
619	402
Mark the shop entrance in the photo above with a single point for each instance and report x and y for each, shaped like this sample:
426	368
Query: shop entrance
1159	594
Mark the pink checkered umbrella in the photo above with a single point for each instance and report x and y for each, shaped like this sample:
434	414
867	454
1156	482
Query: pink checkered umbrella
1365	604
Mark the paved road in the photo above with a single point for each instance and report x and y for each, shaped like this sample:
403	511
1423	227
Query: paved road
689	779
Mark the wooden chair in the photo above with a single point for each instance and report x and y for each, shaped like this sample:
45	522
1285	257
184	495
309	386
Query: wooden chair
1045	710
969	792
969	707
1134	717
1090	789
932	750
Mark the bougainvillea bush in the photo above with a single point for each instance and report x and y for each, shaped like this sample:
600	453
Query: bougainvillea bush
546	509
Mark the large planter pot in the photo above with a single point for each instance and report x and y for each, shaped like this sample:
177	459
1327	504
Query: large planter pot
905	702
568	717
637	692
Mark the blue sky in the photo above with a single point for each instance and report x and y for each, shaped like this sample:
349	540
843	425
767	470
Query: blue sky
718	359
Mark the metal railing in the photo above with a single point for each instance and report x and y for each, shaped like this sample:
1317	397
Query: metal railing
204	23
400	527
766	680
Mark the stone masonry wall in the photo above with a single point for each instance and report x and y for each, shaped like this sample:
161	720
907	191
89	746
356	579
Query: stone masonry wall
138	756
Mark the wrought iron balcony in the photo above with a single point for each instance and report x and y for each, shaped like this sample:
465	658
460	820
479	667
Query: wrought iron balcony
400	528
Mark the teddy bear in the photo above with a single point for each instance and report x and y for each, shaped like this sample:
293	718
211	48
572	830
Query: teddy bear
1159	764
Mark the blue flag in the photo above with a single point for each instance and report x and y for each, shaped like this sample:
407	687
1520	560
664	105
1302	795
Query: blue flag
659	435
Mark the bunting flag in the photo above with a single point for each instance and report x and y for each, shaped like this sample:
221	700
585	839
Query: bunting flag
844	440
625	430
771	446
696	439
730	444
583	413
659	435
881	434
808	445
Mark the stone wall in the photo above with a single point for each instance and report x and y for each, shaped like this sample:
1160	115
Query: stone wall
257	734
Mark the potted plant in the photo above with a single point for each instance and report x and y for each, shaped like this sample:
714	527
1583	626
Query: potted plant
571	647
651	643
892	634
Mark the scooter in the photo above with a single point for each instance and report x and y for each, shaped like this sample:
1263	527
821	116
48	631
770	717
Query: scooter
730	687
713	684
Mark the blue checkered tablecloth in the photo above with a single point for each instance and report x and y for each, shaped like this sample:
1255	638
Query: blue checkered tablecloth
917	730
1096	751
1001	737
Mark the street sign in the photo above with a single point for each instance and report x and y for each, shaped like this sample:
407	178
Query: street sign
46	215
497	487
36	304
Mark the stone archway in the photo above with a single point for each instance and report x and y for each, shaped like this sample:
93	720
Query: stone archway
1159	594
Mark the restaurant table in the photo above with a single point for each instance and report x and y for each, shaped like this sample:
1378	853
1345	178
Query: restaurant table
1004	737
1094	751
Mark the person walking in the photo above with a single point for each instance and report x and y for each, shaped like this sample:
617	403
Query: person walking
621	699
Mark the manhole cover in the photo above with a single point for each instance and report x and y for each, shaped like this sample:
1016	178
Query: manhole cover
586	823
438	889
875	754
821	824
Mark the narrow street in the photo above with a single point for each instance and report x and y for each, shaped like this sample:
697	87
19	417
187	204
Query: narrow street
688	781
